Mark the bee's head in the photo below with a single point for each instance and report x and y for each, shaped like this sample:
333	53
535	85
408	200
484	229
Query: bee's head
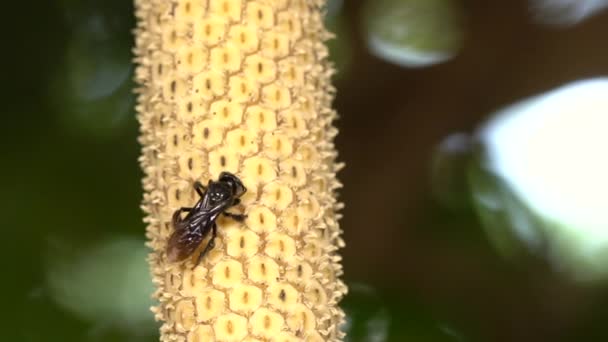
235	184
218	193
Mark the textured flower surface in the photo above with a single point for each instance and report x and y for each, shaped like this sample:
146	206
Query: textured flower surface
242	86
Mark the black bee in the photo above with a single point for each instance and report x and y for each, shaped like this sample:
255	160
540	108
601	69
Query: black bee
192	229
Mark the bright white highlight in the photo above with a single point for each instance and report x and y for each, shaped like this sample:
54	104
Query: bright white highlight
405	56
552	150
566	12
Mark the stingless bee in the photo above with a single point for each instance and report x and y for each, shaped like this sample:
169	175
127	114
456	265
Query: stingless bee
191	230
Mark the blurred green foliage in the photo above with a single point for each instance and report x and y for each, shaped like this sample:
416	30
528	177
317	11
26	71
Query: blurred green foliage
92	89
539	192
340	47
413	33
376	316
107	283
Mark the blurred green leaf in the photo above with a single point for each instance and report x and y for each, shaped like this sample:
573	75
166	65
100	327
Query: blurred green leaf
340	47
539	178
367	317
413	33
92	90
449	166
374	316
107	283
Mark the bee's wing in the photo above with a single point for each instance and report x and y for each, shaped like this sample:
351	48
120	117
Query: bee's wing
183	243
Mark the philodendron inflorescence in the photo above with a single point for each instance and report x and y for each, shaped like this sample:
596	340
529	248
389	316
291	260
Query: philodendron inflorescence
243	87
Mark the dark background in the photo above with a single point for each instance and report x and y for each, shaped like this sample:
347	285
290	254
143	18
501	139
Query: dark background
422	271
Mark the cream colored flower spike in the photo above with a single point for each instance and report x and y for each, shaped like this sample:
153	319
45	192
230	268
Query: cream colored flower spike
242	86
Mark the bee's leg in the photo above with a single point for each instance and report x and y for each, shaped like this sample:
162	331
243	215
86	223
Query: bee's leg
200	188
236	201
236	217
209	246
176	215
